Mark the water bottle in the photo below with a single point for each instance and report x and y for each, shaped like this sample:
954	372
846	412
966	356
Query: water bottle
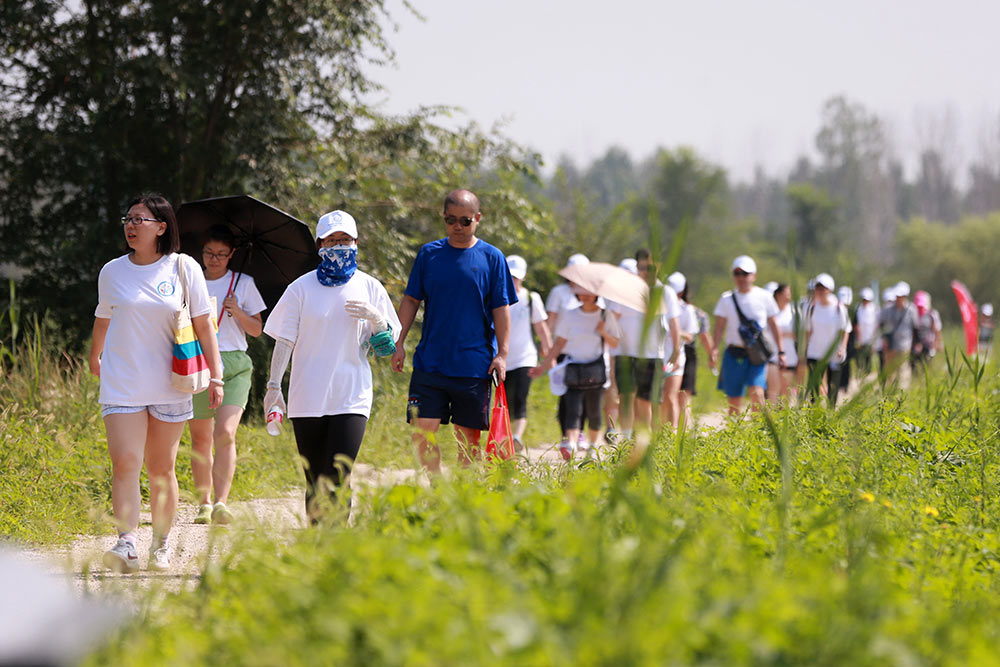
275	418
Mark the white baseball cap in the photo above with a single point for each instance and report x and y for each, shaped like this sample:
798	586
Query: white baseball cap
987	309
744	263
826	280
867	294
630	265
902	288
578	258
677	281
771	286
518	266
336	221
889	294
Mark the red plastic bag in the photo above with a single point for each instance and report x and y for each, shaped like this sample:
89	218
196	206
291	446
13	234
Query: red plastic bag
500	443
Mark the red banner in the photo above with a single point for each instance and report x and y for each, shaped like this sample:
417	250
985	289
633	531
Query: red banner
970	316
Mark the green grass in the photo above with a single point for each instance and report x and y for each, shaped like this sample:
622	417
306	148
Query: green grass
867	535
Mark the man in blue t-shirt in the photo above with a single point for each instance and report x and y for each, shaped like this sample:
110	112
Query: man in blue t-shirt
467	291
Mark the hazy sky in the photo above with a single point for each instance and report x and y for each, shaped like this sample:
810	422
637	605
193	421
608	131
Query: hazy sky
743	82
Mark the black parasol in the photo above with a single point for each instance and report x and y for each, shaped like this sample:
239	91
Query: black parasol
271	245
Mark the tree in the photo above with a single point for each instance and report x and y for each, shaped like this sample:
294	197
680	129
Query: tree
815	215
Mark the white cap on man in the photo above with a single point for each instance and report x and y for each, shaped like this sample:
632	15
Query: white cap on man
578	258
867	294
889	294
902	288
677	281
630	265
518	266
336	221
745	263
845	295
826	280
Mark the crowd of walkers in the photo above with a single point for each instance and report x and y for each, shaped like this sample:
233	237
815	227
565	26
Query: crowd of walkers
615	369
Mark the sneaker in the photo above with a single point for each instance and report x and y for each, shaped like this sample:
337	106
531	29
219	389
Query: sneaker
566	450
518	445
221	514
159	556
204	514
122	557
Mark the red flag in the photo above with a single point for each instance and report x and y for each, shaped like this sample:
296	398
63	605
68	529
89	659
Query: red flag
499	443
967	309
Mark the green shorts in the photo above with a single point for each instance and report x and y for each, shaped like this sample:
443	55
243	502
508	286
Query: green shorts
237	369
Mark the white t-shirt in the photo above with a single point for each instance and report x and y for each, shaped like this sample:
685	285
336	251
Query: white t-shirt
867	316
826	326
583	343
785	319
657	343
140	301
526	312
758	304
330	371
560	297
231	336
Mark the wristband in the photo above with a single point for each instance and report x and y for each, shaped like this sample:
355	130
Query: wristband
217	381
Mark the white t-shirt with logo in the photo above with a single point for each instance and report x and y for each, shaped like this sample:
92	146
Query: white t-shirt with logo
140	301
248	298
526	312
825	325
330	371
757	304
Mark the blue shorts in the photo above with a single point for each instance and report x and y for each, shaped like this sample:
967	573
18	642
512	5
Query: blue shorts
165	412
738	373
463	401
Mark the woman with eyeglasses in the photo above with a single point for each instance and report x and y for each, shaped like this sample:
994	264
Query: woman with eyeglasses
240	305
326	323
132	354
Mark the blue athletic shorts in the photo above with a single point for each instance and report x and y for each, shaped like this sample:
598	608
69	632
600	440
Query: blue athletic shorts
738	373
463	401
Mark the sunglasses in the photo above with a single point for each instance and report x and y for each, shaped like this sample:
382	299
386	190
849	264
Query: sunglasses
739	273
452	220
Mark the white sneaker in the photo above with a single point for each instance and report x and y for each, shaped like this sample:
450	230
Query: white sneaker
122	557
159	556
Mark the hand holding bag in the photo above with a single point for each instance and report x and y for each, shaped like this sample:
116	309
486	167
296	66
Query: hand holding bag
500	443
189	371
758	351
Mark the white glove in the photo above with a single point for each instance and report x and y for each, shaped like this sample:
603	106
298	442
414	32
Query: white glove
272	398
365	311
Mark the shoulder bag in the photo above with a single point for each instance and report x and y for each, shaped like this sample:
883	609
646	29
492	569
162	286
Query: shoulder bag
758	351
189	370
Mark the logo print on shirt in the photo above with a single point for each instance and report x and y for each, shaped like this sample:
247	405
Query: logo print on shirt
166	288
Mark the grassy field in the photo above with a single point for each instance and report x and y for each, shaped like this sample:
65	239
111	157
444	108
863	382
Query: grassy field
864	535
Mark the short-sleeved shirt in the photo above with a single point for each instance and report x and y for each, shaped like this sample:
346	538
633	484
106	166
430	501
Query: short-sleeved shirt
330	371
867	319
460	288
654	344
527	312
757	304
898	324
137	359
560	297
248	298
579	328
826	325
785	319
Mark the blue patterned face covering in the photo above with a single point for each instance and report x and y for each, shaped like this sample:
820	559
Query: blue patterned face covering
338	264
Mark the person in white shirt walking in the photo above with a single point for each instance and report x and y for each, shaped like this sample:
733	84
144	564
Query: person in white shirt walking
132	353
827	326
738	376
527	315
866	332
240	305
560	298
781	377
326	322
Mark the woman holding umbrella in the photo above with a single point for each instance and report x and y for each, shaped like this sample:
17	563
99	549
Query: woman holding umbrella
132	353
239	316
325	323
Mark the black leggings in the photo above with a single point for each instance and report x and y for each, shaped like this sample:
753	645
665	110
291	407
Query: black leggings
329	444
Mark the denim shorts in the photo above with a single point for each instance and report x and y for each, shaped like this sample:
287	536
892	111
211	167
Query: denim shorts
738	373
165	412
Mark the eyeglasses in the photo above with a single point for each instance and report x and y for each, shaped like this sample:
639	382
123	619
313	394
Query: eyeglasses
452	220
219	256
739	273
137	220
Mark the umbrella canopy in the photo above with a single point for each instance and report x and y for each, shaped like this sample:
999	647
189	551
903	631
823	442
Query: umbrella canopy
611	282
271	245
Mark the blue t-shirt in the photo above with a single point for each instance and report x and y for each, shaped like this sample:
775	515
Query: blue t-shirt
460	288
